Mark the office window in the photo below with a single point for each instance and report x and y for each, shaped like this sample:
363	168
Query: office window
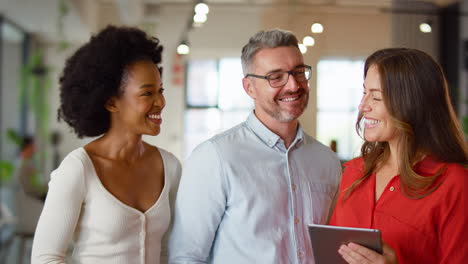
339	91
215	99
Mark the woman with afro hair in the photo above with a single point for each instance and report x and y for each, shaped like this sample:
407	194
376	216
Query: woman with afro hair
112	197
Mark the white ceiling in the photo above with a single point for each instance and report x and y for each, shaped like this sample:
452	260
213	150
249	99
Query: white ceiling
41	16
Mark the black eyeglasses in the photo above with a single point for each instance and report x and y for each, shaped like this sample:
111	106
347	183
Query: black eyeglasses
280	78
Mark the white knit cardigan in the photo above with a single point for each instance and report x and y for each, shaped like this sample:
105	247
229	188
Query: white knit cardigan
104	230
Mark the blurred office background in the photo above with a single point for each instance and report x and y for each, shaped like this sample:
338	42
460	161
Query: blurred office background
202	77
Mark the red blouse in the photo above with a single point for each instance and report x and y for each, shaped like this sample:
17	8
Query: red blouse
432	229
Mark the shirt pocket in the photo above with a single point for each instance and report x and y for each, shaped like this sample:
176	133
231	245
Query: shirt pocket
320	200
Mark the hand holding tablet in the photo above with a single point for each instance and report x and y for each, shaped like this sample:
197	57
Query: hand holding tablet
326	240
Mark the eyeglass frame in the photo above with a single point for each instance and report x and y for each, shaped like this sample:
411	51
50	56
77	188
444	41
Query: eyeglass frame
291	72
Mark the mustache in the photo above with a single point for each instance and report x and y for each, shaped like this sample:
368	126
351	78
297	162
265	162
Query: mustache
301	91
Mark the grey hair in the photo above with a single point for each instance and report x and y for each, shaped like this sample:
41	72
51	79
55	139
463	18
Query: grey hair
266	39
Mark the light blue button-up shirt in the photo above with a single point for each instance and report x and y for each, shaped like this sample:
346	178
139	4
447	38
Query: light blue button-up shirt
246	198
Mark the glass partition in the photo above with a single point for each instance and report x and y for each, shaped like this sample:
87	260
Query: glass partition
12	106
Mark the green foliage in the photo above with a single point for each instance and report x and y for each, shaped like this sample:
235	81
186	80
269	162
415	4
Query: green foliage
6	170
37	182
7	167
63	11
13	136
63	8
35	85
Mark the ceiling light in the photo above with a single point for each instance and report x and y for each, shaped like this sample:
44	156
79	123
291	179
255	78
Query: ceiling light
202	8
199	18
308	41
316	28
425	27
183	49
302	48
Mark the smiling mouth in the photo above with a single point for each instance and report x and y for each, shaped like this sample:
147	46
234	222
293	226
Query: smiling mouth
371	122
154	116
290	98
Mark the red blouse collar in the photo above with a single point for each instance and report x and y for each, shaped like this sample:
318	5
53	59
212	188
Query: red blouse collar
429	165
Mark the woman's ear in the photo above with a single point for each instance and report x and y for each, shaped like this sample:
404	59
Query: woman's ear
111	104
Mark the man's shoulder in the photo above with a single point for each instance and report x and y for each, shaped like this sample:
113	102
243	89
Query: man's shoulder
311	145
229	137
230	134
310	141
225	139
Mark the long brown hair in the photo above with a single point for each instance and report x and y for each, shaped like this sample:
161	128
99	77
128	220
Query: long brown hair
416	96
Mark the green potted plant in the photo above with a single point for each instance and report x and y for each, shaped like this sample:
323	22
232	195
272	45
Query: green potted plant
7	167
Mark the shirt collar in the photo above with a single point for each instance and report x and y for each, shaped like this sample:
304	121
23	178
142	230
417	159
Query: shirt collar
266	135
429	165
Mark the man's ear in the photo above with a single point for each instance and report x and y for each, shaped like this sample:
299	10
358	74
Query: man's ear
111	105
248	87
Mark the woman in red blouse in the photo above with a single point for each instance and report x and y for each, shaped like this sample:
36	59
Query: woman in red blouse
411	180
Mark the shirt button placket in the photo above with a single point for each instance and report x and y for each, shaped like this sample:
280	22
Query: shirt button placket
296	216
142	239
300	255
296	220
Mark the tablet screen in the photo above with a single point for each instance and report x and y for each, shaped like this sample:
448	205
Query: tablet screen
326	240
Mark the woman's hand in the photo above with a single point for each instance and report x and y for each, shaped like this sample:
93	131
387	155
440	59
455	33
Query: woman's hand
354	254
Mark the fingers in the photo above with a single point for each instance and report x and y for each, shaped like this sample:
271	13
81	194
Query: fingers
352	256
387	249
389	253
367	253
354	253
357	254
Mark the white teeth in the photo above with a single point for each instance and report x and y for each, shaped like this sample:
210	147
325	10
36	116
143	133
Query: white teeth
372	121
154	116
289	99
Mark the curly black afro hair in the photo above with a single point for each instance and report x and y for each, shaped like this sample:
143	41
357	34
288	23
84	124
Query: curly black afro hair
95	72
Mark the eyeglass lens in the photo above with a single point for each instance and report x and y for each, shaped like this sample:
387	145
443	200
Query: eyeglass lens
277	79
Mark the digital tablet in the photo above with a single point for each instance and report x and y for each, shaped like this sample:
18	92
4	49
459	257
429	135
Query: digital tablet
326	240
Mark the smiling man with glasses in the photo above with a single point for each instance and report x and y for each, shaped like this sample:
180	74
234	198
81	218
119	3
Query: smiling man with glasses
280	78
248	194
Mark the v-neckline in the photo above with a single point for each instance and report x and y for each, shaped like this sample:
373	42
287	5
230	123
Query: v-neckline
117	200
374	186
